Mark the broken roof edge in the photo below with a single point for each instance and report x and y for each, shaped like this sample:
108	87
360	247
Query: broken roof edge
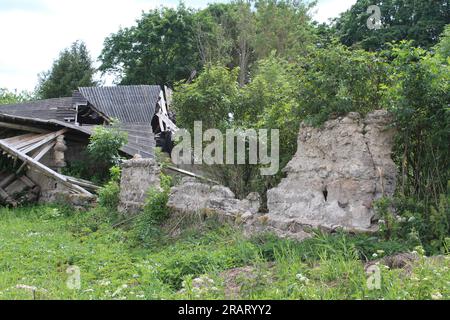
128	149
45	122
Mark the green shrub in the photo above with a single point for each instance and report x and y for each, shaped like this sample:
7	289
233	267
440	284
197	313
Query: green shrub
108	195
104	146
407	219
146	227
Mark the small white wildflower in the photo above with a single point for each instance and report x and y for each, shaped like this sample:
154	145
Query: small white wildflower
436	296
375	255
119	290
104	283
302	278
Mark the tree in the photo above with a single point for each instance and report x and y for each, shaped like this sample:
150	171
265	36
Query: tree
421	21
418	96
160	49
8	97
283	26
210	98
71	70
443	47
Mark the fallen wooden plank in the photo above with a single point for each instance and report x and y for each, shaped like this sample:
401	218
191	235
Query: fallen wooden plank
38	155
13	140
3	195
21	127
27	181
191	174
7	180
26	142
42	168
83	183
48	138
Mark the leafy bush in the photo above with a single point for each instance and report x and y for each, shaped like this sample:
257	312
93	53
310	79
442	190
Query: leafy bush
104	146
418	97
108	195
146	227
8	97
406	219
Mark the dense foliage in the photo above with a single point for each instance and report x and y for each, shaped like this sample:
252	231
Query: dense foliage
159	50
168	45
106	142
71	70
329	80
10	97
421	21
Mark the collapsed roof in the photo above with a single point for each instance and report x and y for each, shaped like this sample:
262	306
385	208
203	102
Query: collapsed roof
42	109
134	106
36	132
129	104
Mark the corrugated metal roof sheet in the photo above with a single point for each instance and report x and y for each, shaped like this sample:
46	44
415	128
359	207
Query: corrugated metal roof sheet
129	104
42	109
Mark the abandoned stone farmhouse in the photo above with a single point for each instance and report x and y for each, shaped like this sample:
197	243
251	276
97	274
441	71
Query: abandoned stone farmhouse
44	136
332	181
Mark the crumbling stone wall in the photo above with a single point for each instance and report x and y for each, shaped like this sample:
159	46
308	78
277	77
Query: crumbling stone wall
337	173
138	176
193	196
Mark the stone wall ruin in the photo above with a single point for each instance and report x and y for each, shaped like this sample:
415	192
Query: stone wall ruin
138	176
339	170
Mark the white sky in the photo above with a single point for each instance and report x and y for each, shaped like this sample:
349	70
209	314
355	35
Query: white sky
33	32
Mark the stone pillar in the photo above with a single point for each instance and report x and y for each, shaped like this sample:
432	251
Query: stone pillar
138	176
58	153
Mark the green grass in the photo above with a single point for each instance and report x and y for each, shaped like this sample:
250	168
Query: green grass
38	244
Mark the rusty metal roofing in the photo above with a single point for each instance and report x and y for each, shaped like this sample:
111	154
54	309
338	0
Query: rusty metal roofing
129	104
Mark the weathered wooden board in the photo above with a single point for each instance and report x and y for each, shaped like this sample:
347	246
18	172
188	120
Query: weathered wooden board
42	168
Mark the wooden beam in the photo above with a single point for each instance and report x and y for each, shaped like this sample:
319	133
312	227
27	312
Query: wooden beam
38	155
13	140
190	174
5	182
48	138
83	183
27	141
42	168
21	127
